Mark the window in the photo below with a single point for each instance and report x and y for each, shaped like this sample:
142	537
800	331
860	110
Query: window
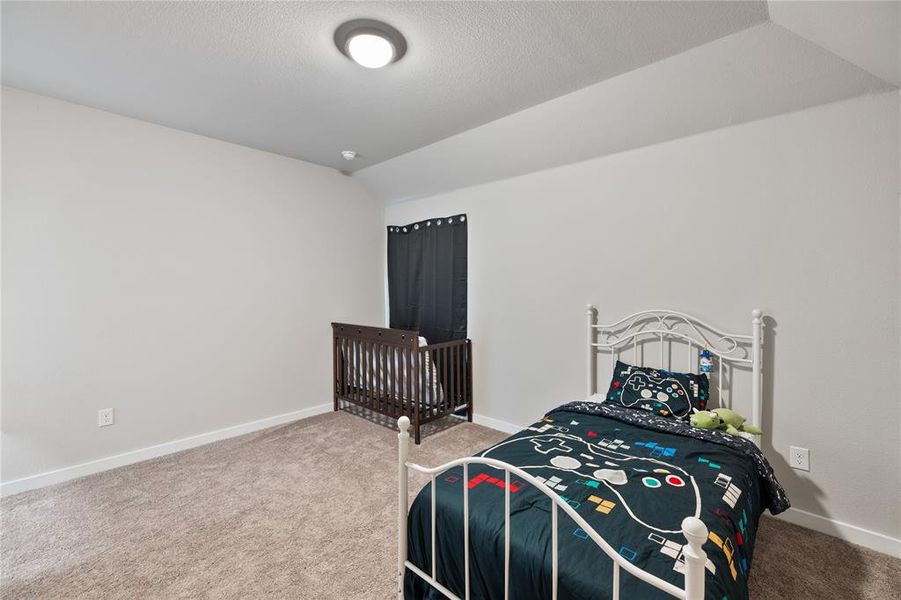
427	278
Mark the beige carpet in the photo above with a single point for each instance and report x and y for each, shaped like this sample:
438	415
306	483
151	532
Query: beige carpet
306	510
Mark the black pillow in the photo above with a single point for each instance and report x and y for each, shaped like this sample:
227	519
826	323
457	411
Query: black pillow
659	391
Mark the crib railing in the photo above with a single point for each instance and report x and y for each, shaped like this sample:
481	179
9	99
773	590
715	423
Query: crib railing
693	529
387	371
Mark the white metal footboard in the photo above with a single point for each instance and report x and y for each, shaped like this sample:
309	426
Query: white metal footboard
693	528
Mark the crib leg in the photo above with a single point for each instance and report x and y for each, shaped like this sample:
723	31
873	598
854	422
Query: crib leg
416	437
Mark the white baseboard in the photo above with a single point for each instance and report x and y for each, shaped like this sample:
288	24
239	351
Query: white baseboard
496	424
31	482
843	531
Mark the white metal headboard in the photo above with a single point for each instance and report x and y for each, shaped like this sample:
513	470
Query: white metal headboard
662	328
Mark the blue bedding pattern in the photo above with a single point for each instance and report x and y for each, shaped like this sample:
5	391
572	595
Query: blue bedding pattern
631	475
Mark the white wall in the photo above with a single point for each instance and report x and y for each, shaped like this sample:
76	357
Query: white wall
796	214
187	282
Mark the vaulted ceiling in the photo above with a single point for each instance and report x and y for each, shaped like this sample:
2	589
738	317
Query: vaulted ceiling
473	87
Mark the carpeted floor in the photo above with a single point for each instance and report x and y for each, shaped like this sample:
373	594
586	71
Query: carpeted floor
306	510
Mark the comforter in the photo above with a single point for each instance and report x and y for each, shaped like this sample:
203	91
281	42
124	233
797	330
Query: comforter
631	475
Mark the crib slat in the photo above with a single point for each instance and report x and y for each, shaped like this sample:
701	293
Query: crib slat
405	381
448	398
460	374
367	397
338	370
384	398
459	389
370	375
399	379
465	367
335	369
442	378
361	373
433	381
434	378
345	372
449	378
396	381
409	359
389	381
429	376
354	372
373	388
386	378
420	382
376	377
453	377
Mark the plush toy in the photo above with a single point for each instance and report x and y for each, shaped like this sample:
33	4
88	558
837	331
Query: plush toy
722	418
705	419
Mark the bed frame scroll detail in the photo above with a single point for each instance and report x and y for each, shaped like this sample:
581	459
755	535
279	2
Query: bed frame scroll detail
665	329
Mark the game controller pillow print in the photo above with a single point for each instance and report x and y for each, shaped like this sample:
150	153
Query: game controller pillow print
659	391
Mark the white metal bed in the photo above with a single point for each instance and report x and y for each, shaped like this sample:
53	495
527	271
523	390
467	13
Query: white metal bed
660	327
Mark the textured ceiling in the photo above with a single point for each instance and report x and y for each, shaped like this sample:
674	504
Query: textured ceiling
267	75
762	71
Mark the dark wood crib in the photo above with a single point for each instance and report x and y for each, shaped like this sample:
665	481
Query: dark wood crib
388	372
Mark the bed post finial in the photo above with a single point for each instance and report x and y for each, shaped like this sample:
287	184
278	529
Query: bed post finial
695	532
757	368
403	447
592	386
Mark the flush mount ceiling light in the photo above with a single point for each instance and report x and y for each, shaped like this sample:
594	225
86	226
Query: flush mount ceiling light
371	44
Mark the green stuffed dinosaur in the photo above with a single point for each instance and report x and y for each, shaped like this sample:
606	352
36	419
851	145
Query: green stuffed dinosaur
722	418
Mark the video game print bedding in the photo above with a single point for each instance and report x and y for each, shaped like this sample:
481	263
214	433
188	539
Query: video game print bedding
662	392
631	475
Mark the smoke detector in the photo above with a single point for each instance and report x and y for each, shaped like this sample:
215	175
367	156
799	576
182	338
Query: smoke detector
348	154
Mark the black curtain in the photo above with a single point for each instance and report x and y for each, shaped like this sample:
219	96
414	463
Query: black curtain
427	278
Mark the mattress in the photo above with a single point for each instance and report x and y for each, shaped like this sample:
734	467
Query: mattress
631	475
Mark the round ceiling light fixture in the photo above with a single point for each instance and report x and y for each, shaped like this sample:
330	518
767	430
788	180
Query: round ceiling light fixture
369	43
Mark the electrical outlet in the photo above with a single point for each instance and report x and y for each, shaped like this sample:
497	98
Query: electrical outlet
104	417
799	458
